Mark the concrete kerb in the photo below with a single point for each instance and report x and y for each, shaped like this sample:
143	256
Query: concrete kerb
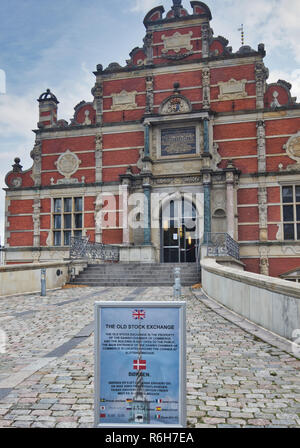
245	324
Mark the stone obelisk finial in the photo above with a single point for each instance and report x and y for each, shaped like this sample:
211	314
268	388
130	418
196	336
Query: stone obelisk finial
177	5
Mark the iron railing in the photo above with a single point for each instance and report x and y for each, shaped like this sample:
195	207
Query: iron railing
82	248
221	245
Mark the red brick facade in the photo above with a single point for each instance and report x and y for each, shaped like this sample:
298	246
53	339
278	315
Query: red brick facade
253	133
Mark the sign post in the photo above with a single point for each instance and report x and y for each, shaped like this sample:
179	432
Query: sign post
140	364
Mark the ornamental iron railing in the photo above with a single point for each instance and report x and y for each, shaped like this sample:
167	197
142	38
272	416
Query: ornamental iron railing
83	248
221	245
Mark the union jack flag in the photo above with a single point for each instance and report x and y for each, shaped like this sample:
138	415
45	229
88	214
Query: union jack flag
139	364
139	314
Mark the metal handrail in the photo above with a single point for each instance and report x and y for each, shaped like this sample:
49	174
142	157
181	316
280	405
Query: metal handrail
82	248
221	244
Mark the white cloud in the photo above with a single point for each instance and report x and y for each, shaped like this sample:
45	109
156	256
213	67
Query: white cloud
18	115
144	5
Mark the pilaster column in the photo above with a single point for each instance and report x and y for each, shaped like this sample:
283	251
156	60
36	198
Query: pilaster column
207	204
124	195
261	146
263	212
230	203
147	140
36	222
98	156
147	214
206	135
206	180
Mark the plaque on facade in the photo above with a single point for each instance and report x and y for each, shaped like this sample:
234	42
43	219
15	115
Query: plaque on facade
178	141
140	373
177	42
232	90
124	100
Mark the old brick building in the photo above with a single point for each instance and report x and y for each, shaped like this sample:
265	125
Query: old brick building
186	121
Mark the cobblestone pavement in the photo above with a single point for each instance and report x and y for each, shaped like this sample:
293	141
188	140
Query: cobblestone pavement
46	374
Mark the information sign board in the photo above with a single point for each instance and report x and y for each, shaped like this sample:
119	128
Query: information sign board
140	364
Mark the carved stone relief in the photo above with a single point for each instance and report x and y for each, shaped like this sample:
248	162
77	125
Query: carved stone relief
16	182
232	90
36	222
149	94
263	213
140	164
124	100
261	145
206	34
216	158
97	93
279	235
206	87
49	239
67	164
177	42
36	155
275	103
261	75
264	260
98	157
177	180
174	105
148	40
293	151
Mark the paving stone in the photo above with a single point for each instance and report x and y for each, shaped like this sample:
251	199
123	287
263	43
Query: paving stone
234	380
67	425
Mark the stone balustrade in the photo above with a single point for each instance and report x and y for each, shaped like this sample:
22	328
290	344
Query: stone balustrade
26	278
267	301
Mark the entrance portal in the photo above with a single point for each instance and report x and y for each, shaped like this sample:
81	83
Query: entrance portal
179	241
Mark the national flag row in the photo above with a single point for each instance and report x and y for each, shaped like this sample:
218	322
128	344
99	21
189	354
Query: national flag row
157	416
130	400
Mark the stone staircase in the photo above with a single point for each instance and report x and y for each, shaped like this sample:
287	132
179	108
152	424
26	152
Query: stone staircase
136	274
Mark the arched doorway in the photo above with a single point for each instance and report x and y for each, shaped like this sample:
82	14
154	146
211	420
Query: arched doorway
179	232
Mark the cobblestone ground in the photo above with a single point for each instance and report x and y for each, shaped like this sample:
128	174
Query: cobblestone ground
234	379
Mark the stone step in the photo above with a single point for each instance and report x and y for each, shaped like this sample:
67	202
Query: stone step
129	284
88	276
140	271
136	274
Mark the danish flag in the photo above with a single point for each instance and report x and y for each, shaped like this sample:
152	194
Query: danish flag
139	364
139	314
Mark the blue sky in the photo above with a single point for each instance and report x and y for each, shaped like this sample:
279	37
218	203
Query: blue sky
58	43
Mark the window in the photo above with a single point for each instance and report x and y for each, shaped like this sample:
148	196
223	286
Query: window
67	220
291	212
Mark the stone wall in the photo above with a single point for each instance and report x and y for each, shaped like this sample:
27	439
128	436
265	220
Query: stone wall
269	302
18	279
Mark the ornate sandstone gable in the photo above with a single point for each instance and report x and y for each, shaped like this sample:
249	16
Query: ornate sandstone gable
232	90
124	100
177	42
